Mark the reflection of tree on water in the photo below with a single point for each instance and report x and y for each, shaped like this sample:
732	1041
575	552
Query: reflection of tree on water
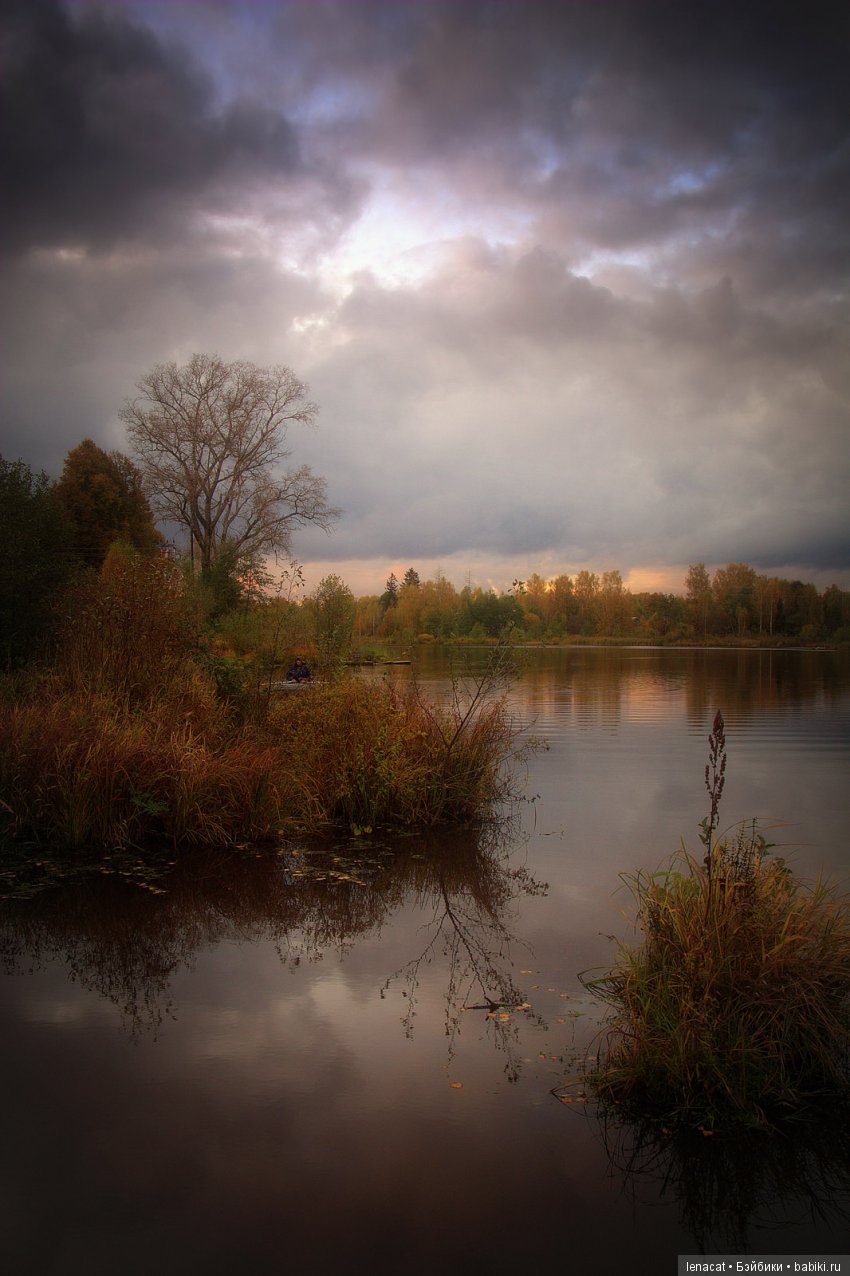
733	1192
467	895
599	684
126	944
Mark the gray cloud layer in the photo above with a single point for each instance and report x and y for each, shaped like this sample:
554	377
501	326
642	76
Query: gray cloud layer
618	333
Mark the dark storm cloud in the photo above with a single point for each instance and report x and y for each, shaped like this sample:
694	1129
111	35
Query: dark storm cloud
616	124
617	330
107	132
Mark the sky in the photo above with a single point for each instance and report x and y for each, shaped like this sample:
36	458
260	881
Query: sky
568	279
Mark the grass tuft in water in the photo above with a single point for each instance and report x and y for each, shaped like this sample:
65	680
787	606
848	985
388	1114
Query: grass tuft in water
735	1009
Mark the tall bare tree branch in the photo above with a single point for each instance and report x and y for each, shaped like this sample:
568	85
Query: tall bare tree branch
210	438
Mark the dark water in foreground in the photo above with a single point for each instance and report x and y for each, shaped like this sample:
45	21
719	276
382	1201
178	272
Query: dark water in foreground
289	1062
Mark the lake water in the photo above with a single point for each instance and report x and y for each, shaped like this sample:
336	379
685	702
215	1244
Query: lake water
297	1062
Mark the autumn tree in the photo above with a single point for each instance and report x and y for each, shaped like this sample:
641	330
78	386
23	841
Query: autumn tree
586	592
411	577
561	595
102	494
211	440
36	561
493	612
734	590
130	630
836	609
699	595
614	604
334	610
389	598
429	607
533	599
768	591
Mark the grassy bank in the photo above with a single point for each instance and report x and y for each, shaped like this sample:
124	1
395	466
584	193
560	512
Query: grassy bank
84	769
135	730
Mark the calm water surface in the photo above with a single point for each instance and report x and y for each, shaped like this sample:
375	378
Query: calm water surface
290	1062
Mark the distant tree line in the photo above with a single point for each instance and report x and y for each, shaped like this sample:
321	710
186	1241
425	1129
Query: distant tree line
56	533
734	601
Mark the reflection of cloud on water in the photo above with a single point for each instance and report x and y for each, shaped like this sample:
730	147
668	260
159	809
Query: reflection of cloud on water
56	1012
241	919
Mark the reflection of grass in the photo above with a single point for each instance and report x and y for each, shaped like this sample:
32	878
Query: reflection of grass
727	1189
736	1007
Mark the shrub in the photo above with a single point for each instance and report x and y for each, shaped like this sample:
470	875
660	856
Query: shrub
127	632
366	754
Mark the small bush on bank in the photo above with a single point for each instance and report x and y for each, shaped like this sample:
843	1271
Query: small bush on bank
736	1007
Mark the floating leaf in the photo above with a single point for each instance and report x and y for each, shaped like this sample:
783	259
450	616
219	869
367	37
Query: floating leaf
457	1085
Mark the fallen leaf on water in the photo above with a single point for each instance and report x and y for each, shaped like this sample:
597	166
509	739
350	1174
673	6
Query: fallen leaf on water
457	1085
706	1133
504	1015
526	972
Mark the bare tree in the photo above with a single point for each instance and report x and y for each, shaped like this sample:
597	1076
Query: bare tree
211	437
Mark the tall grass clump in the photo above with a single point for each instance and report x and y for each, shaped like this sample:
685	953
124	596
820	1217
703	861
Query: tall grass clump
735	1009
84	771
365	754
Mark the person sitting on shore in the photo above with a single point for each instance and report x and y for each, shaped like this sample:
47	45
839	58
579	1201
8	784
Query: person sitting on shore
299	672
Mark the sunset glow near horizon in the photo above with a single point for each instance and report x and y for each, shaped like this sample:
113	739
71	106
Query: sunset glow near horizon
568	281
